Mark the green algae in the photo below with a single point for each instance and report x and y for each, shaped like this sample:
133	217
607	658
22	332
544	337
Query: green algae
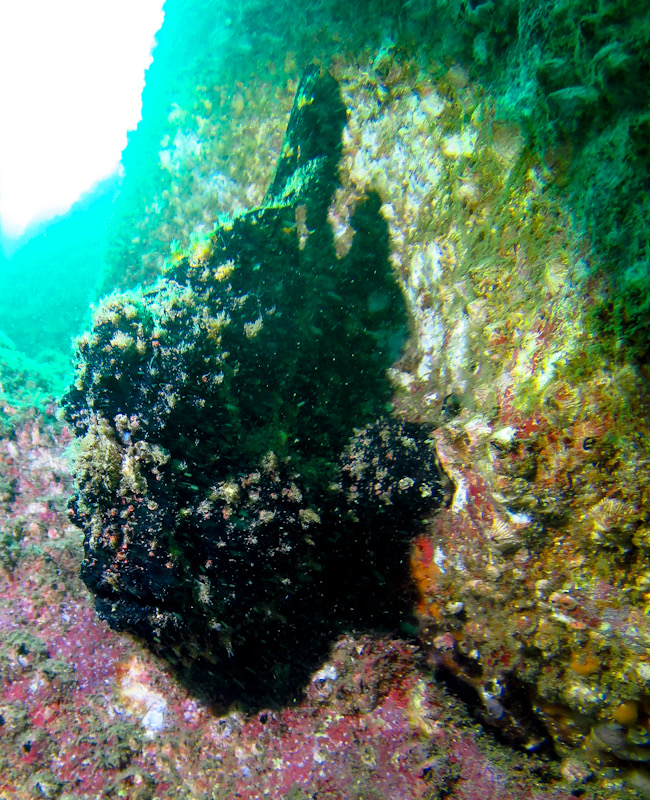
233	457
572	74
28	382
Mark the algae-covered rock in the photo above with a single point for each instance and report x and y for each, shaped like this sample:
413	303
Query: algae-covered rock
218	414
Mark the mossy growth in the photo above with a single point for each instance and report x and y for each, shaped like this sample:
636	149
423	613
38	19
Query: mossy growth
632	306
96	458
252	342
212	410
21	652
575	76
28	385
10	546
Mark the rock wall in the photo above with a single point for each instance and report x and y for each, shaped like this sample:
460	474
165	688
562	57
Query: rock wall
509	179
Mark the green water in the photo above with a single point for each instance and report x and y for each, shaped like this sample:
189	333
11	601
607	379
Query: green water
574	74
46	287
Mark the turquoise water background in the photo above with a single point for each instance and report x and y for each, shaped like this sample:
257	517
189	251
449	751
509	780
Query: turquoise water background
575	75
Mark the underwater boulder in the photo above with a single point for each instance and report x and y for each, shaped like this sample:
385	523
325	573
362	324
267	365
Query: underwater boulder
242	490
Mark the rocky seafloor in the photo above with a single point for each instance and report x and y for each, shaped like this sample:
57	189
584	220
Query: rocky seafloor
514	661
86	712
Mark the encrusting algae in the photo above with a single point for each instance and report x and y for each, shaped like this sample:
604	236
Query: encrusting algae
503	464
528	581
251	461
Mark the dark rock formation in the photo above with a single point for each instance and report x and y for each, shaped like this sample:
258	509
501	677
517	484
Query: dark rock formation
242	494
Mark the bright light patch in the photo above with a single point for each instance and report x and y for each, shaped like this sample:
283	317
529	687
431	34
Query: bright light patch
71	78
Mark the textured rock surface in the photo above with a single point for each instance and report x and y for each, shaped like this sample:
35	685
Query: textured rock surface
533	587
87	712
533	584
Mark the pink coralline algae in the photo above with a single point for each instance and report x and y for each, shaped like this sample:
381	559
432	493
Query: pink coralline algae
87	713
